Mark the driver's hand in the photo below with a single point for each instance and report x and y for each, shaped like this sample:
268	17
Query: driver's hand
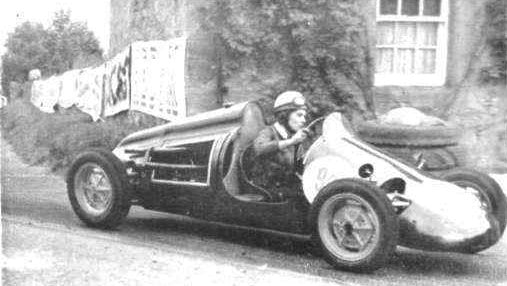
300	136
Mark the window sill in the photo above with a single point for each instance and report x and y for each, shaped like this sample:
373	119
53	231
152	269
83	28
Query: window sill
409	80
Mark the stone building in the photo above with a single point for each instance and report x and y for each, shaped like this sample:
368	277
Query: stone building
423	47
426	51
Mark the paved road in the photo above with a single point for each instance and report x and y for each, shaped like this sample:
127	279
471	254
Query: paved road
37	217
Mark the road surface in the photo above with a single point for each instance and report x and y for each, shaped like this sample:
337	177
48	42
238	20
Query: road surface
45	244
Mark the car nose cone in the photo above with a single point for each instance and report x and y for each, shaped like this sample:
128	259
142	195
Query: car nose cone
445	217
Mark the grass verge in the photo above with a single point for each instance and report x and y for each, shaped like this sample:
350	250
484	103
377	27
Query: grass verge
56	139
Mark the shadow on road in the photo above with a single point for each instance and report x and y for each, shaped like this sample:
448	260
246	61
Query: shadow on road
293	254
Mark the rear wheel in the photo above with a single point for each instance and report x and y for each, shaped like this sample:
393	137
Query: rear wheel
355	225
98	189
489	194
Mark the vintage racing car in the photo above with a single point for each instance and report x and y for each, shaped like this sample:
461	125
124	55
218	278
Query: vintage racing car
358	202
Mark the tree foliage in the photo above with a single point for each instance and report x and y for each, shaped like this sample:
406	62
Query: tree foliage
314	43
53	50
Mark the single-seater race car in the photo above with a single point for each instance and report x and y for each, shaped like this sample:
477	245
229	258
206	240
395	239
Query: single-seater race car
358	203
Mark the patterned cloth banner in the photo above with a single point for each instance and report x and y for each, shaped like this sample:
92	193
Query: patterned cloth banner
89	91
117	84
157	78
146	76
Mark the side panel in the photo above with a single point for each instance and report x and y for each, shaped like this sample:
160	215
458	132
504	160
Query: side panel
323	171
179	181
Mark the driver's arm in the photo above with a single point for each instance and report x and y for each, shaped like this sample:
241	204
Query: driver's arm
266	143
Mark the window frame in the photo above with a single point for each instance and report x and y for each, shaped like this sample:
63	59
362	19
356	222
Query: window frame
438	77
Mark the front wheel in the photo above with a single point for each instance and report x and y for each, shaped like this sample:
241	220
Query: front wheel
490	196
355	225
98	189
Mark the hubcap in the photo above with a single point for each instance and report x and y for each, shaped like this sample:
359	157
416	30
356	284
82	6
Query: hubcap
93	189
349	227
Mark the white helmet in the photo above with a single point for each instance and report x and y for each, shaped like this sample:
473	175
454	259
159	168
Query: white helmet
289	100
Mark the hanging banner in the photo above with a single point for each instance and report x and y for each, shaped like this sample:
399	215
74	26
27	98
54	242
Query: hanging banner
68	89
89	94
117	83
146	76
37	93
157	78
45	94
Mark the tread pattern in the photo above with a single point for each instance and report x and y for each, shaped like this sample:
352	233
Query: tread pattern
402	135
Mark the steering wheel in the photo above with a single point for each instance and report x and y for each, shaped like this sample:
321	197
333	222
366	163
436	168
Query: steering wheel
312	124
311	135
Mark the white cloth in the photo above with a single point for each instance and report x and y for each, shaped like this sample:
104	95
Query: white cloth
69	90
90	83
407	38
410	116
45	94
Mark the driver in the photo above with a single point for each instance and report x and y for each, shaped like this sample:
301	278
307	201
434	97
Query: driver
276	147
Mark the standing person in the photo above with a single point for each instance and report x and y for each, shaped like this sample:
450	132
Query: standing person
276	147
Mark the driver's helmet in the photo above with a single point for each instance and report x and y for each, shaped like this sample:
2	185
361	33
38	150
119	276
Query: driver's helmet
289	100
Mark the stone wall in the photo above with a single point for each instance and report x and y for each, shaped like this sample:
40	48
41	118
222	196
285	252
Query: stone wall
142	20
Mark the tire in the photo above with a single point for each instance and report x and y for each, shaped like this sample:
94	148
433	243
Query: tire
375	214
402	135
491	194
436	158
459	153
105	202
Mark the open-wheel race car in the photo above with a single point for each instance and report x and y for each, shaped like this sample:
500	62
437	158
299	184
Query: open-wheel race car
358	203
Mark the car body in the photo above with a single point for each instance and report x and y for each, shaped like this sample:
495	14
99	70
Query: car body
355	195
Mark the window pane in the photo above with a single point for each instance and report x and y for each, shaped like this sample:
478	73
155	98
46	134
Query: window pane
385	33
405	61
384	62
431	7
405	34
410	7
427	33
426	61
388	7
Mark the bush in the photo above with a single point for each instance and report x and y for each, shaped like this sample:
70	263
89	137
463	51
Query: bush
56	139
314	43
53	50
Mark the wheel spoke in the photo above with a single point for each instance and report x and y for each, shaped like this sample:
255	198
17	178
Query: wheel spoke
87	186
340	238
101	180
359	240
365	235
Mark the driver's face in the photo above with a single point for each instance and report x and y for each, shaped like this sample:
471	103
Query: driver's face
297	119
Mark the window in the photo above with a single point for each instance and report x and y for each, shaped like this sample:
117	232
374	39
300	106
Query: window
411	47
